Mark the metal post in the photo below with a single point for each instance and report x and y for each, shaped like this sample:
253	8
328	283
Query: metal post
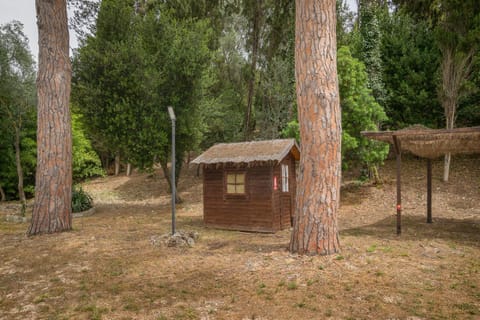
173	118
398	154
429	191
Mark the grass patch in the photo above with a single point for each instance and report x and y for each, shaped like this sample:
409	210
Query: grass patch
93	311
130	304
468	308
261	288
41	298
292	285
186	313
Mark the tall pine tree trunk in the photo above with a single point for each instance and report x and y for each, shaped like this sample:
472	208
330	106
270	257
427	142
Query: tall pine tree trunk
52	210
315	229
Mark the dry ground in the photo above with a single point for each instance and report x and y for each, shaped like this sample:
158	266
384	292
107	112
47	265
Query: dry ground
107	268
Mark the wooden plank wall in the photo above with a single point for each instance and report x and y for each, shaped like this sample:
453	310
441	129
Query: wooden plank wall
260	209
250	212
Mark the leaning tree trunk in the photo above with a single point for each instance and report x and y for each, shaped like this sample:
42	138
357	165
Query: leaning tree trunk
18	161
52	211
2	194
315	229
167	173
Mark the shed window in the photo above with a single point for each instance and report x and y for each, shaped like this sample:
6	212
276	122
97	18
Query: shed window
236	183
284	178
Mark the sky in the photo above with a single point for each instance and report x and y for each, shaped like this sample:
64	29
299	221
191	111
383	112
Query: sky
24	11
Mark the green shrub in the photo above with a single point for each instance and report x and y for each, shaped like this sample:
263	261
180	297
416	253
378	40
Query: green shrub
85	161
81	200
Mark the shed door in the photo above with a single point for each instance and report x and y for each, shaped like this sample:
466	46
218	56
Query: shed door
285	211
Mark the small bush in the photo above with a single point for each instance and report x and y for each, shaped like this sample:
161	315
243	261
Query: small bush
81	200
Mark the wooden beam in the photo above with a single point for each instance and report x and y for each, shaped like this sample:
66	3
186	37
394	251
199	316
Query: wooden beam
429	191
398	155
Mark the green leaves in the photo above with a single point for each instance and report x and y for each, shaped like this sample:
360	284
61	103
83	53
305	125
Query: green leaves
410	60
86	163
360	112
17	107
141	60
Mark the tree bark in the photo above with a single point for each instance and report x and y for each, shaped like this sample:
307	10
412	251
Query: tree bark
52	211
167	175
117	164
18	161
129	169
315	229
2	194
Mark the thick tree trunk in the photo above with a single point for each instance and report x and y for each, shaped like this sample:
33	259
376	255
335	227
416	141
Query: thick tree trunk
315	229
18	161
129	169
53	188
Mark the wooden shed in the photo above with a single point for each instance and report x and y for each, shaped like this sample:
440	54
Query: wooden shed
249	186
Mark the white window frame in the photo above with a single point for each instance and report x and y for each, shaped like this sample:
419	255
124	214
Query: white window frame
285	178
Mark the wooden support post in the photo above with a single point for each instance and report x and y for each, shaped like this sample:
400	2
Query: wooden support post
429	191
398	154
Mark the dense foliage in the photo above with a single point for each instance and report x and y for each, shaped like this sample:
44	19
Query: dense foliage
360	112
18	120
410	62
86	163
17	113
139	61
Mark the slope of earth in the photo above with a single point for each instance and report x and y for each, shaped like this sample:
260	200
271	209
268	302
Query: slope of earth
107	267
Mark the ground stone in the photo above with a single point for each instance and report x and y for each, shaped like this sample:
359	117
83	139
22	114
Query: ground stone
16	218
179	239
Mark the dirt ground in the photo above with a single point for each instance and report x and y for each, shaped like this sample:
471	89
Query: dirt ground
107	267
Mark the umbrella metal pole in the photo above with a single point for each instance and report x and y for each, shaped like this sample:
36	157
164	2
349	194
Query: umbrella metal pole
398	154
429	191
171	113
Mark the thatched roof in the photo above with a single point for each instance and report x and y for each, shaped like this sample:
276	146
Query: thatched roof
249	153
430	143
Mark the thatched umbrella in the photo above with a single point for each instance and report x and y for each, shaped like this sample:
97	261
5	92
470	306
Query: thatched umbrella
430	144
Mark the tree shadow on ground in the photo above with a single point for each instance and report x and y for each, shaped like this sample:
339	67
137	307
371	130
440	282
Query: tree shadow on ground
465	231
141	187
107	209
